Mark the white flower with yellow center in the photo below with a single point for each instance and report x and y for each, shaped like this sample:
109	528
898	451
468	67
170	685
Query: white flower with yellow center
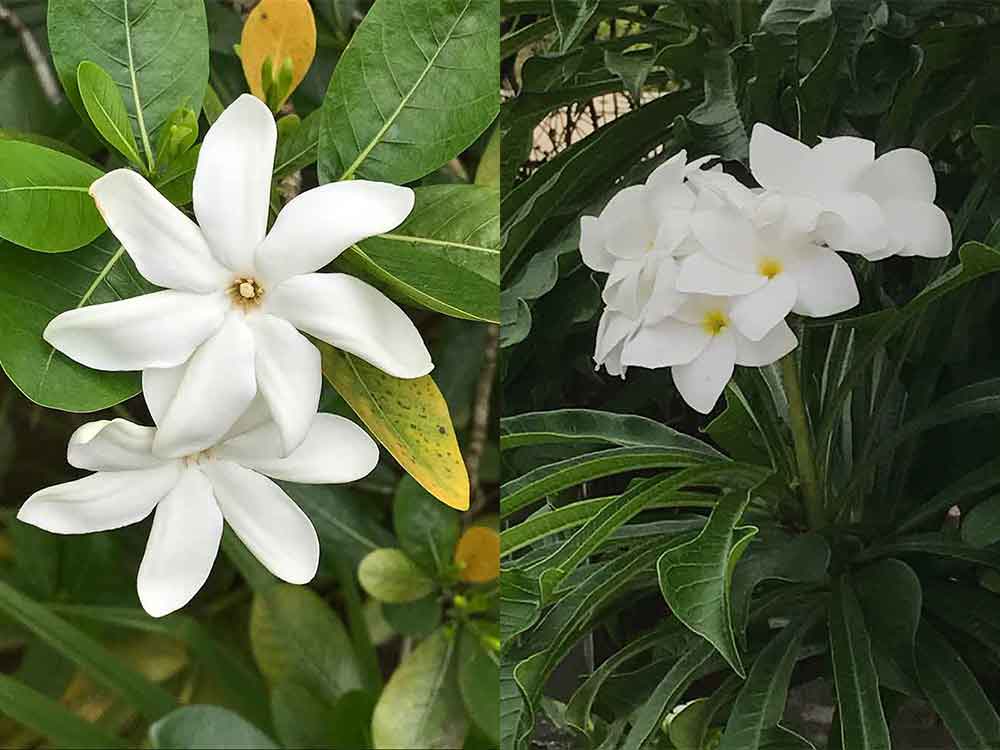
227	326
193	494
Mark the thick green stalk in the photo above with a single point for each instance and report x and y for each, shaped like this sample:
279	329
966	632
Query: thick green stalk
802	439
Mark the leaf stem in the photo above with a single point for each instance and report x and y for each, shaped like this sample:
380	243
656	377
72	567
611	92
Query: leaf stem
803	443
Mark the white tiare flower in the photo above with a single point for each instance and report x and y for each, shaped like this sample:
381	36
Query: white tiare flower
192	495
701	345
227	325
760	255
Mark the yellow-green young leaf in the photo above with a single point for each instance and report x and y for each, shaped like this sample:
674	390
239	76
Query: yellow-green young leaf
421	706
478	555
390	576
280	30
409	417
488	171
103	102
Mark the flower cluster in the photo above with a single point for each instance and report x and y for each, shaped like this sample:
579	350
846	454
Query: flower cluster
231	382
703	271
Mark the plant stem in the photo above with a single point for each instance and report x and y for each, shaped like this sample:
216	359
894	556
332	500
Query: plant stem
802	438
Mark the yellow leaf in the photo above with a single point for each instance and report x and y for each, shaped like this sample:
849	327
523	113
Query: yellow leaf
280	30
477	555
409	417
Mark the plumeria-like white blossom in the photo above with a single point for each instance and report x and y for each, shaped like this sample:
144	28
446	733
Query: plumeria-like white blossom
227	325
193	494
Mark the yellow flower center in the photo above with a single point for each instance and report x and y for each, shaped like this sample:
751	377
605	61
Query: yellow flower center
714	321
245	292
769	267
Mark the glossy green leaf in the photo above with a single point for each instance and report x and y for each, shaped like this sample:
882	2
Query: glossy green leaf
198	727
427	529
520	603
479	682
981	526
299	149
352	721
571	20
44	199
444	257
937	545
417	618
301	717
862	720
421	706
176	182
417	85
390	576
959	492
34	288
104	104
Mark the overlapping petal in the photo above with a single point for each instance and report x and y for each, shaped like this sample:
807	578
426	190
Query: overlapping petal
702	381
775	345
669	342
112	445
757	313
824	282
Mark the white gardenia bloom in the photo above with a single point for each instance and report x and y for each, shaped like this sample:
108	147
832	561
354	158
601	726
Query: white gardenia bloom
701	345
192	495
762	256
227	326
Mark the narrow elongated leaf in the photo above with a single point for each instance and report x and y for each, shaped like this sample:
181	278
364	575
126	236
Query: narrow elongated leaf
409	417
421	706
938	545
862	721
103	102
417	85
571	20
44	203
971	610
34	288
983	479
445	256
207	727
520	603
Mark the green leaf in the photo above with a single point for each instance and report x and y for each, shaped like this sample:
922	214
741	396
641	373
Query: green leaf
295	635
37	711
352	721
862	721
198	727
103	102
100	665
177	181
390	576
981	526
937	544
416	86
34	288
421	706
417	618
301	717
298	150
444	257
37	184
716	123
479	683
571	19
695	577
971	610
156	54
954	692
520	604
959	492
427	530
488	169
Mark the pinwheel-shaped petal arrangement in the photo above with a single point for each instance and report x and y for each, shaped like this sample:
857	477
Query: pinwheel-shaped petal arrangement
237	299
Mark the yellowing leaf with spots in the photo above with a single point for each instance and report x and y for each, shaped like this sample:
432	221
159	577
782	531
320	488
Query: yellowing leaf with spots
477	555
282	30
409	417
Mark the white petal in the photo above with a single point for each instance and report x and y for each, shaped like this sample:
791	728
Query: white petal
825	283
701	382
159	386
701	273
272	527
776	160
232	183
335	451
669	342
354	316
853	223
923	228
288	377
165	245
669	174
728	236
592	245
621	292
674	228
837	162
115	445
217	387
903	173
775	345
182	546
102	501
665	299
318	225
757	313
629	229
154	330
612	330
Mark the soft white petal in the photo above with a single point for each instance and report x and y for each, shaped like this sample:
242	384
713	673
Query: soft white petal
102	501
775	345
592	245
612	330
669	174
621	292
702	274
825	283
728	236
159	386
112	445
182	546
922	228
673	229
272	527
665	299
902	174
757	313
165	245
288	377
319	224
153	330
701	382
669	342
354	316
776	160
232	182
837	162
852	222
628	222
334	451
217	387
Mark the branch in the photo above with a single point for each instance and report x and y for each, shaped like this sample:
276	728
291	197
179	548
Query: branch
481	409
35	54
